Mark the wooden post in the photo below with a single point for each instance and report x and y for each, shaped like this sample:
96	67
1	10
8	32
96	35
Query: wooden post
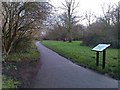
104	55
97	58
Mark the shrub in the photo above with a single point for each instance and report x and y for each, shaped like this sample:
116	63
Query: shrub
22	45
94	37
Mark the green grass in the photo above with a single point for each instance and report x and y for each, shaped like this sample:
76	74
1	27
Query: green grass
83	56
32	54
9	83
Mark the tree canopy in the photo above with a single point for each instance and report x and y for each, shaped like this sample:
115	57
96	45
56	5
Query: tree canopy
21	19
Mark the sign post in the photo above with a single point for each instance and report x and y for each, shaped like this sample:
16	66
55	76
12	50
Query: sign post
104	57
101	48
97	58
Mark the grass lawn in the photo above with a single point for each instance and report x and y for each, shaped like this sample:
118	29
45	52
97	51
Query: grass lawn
83	56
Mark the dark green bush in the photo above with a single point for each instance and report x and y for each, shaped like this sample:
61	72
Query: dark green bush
22	45
93	38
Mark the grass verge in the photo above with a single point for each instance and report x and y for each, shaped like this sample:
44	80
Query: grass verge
9	83
32	54
83	56
20	68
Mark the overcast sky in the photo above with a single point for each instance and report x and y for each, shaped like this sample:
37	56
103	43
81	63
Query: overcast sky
85	5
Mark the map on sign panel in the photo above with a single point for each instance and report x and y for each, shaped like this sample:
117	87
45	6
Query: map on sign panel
100	47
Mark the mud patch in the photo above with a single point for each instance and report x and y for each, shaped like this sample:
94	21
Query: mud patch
24	71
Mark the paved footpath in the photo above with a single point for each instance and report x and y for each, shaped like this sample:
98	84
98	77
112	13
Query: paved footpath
58	72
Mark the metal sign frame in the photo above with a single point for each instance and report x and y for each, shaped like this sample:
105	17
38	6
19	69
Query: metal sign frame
101	48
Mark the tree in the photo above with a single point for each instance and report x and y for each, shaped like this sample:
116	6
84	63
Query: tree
89	17
20	19
69	8
111	23
105	29
118	24
58	31
107	9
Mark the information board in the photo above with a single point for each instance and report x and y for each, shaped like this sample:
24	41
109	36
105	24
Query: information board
101	47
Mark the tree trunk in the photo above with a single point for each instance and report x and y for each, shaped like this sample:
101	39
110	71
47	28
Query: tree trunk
70	36
7	48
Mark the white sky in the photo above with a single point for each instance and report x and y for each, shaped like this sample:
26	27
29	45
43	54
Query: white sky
85	5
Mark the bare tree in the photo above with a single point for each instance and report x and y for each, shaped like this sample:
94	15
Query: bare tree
115	14
90	17
107	9
118	14
20	19
118	23
69	7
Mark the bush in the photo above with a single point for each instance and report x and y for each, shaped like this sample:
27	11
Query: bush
22	45
31	54
94	37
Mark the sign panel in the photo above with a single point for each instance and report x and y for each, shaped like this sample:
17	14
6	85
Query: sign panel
101	47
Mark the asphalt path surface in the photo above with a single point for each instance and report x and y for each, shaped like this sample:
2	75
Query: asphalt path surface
58	72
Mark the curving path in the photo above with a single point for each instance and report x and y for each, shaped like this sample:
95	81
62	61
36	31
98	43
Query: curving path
58	72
